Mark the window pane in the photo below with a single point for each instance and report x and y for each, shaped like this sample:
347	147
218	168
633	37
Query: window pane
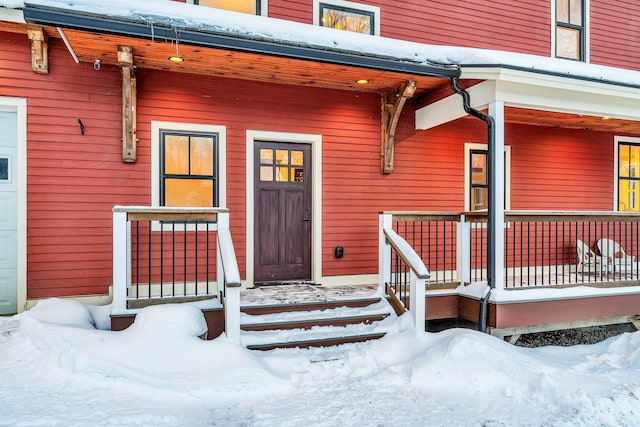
266	173
479	198
245	6
282	174
568	43
562	10
4	169
202	160
266	156
188	192
297	175
575	13
176	154
282	157
478	169
297	158
628	193
623	163
348	20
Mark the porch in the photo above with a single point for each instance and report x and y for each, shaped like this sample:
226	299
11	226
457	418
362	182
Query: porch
432	264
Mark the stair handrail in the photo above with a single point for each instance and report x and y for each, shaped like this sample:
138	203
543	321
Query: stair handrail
419	274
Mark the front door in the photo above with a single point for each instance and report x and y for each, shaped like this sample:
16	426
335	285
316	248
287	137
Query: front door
282	214
8	212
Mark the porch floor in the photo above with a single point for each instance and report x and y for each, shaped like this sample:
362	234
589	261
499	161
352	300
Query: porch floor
304	293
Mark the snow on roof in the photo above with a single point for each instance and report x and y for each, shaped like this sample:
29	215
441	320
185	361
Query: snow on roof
186	16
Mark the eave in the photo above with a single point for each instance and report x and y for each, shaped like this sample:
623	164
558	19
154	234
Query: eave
209	53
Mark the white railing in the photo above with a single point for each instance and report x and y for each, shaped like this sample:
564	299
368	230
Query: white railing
393	272
167	256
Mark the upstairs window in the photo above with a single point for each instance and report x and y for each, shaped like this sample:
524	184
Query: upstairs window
253	7
570	29
347	16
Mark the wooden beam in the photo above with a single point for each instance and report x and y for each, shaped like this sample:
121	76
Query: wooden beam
392	104
39	49
129	100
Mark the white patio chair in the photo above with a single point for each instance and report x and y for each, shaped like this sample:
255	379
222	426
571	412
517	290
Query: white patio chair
616	256
588	261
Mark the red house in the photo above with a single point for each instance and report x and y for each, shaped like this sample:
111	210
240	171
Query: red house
521	123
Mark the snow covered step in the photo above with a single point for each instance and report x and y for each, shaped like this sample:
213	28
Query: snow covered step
316	328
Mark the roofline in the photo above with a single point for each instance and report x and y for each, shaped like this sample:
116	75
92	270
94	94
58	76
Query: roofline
550	73
57	17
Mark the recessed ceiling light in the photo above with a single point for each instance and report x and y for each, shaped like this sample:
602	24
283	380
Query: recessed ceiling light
362	81
176	59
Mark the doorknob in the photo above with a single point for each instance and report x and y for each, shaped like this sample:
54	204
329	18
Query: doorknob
307	217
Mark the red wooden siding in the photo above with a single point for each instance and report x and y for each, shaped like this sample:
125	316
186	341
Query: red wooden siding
614	29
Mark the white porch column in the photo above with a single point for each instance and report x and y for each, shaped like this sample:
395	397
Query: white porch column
384	252
496	110
463	252
121	258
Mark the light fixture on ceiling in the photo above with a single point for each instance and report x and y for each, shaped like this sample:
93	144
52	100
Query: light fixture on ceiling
362	81
176	58
605	118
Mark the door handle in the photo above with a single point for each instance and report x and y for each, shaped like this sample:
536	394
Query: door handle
306	218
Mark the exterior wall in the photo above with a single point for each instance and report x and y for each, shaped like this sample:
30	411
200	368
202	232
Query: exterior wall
73	180
614	25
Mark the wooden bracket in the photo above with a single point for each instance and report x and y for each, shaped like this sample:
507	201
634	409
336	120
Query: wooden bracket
392	104
39	49
129	99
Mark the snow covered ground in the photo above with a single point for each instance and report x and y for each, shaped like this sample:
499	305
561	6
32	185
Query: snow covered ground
58	368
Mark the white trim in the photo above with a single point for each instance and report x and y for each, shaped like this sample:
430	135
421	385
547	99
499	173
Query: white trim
19	105
468	146
316	195
616	166
537	91
11	15
157	126
351	5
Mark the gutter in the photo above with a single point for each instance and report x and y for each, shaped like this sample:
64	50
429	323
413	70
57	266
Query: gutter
66	18
491	220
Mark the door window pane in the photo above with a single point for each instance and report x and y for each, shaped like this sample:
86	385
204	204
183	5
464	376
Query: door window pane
266	156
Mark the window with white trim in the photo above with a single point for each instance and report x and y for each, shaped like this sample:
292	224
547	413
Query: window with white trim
188	165
570	29
253	7
627	174
476	177
347	16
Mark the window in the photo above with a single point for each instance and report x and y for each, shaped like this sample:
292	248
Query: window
254	7
347	16
477	177
188	165
628	175
570	29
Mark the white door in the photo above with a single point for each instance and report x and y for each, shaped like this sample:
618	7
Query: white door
8	212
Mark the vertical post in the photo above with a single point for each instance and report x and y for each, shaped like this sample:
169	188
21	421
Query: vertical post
232	314
417	301
120	261
384	251
497	202
222	221
463	251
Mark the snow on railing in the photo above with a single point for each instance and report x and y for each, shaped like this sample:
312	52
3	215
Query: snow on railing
165	254
393	272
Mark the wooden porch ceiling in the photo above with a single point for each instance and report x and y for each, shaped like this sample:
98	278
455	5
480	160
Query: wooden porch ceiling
570	121
154	54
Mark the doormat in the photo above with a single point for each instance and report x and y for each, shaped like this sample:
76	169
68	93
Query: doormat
286	282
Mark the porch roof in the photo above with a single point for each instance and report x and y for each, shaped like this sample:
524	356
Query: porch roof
235	45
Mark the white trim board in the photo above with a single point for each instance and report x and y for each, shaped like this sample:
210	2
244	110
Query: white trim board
316	195
536	91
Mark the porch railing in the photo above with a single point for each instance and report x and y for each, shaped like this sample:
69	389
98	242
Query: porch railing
403	272
164	254
540	247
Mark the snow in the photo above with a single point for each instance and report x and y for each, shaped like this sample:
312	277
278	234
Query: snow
57	370
180	16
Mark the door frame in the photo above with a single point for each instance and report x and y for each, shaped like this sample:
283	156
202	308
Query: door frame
19	106
316	195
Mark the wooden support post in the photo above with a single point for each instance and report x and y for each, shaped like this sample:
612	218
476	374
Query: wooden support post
392	104
125	60
39	49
